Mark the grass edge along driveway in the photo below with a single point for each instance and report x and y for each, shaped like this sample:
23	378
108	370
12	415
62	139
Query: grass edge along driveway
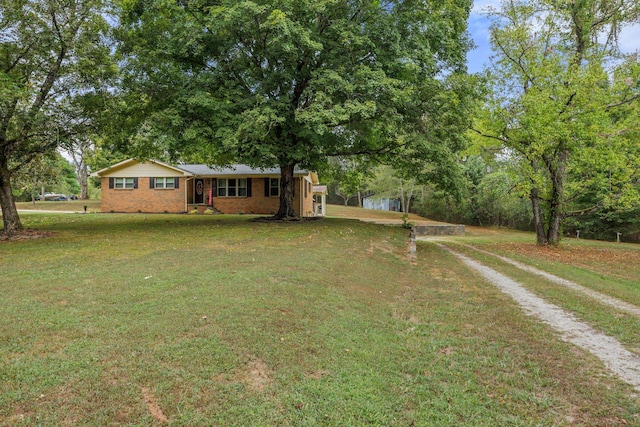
617	359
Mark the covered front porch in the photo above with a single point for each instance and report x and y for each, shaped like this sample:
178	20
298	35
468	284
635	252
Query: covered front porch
319	200
199	192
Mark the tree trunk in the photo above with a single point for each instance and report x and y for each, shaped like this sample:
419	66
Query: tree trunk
553	235
83	178
10	217
287	185
538	219
557	198
345	199
408	195
81	170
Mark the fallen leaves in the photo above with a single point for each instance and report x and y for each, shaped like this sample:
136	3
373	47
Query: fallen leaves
608	260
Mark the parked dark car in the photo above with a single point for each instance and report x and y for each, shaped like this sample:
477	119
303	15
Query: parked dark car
47	196
55	197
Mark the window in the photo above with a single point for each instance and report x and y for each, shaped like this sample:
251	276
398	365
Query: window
274	186
124	183
165	183
232	187
242	187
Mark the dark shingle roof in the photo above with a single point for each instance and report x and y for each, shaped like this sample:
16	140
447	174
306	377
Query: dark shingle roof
204	170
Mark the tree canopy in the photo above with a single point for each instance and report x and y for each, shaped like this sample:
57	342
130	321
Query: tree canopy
50	51
291	83
563	101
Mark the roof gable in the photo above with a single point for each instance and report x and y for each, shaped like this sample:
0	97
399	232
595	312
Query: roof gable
136	168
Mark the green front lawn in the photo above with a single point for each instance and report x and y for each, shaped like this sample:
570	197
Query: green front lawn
217	320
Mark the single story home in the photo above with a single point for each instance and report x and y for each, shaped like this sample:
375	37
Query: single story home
152	186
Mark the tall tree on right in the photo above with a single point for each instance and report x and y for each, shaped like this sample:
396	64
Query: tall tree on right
561	103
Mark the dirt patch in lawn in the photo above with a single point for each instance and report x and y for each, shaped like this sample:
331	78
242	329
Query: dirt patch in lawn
317	375
617	262
256	375
383	246
25	234
152	405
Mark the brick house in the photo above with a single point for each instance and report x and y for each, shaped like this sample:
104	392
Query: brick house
152	186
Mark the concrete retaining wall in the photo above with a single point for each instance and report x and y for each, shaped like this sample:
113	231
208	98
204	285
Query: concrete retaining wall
439	230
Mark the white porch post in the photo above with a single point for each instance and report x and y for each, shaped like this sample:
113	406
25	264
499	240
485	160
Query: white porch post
186	194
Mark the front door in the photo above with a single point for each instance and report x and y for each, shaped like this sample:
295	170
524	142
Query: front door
198	189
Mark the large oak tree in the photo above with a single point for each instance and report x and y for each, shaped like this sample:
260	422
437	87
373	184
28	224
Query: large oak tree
290	83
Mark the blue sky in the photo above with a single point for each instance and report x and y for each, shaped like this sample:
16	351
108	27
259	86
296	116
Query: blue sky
479	30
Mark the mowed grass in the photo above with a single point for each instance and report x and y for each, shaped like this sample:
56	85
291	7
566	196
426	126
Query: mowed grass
339	211
219	320
68	205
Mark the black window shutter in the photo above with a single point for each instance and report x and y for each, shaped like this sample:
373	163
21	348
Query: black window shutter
135	183
248	187
152	183
111	182
214	187
267	187
177	182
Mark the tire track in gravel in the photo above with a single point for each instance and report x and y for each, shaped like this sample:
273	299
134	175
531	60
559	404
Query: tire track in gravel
606	299
609	350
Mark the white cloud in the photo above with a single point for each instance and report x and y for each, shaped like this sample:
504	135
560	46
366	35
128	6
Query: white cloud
630	39
478	26
481	6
